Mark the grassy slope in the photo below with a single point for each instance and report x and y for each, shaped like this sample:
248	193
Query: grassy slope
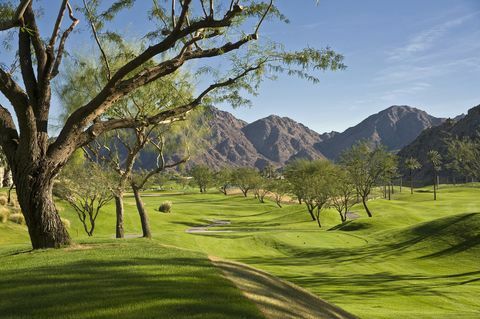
126	279
415	258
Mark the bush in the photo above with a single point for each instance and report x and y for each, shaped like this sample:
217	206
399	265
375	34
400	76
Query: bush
3	200
4	213
17	218
66	222
165	207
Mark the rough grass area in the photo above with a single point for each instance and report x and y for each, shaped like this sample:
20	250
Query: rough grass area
415	258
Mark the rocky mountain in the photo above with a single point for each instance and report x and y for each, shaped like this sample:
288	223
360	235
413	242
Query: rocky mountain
272	140
277	140
393	127
434	139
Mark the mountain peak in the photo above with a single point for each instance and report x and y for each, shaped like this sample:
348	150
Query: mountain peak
394	127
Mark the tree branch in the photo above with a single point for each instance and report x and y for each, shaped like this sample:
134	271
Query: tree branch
17	18
164	117
63	39
8	132
116	88
97	40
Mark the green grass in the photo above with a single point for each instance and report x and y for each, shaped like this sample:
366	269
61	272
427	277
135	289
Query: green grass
415	258
126	279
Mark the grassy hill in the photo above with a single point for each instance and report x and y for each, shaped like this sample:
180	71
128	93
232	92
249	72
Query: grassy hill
415	258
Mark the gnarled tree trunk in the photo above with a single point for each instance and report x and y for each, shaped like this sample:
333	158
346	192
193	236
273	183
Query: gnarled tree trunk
34	191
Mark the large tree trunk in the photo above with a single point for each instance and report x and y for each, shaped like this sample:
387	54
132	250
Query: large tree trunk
364	202
143	214
34	192
119	231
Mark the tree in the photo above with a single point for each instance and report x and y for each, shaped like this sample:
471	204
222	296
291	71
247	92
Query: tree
343	194
321	176
312	182
365	165
279	188
86	188
185	33
389	174
202	176
260	188
435	160
223	179
412	164
465	156
245	178
121	149
295	173
140	178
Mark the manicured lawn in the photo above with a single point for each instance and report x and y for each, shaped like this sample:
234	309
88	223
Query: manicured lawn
415	258
123	279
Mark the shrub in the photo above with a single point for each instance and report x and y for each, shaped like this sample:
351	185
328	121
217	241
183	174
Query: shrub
17	218
3	200
66	222
4	213
165	207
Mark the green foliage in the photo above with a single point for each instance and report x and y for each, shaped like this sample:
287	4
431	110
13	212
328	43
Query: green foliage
202	176
435	160
295	173
366	166
86	188
245	178
224	179
464	156
412	164
343	192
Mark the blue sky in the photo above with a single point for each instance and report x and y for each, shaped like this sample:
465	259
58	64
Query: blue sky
422	53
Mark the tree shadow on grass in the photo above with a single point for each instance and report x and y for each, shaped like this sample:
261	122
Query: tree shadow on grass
276	298
122	288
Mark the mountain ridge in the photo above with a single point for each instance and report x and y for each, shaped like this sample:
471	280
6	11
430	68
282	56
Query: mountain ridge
276	140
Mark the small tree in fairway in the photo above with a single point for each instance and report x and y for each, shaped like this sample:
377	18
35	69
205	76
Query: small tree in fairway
344	194
86	188
202	176
435	160
279	188
412	164
223	179
245	178
365	165
295	173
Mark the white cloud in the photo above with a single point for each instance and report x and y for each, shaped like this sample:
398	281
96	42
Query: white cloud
426	39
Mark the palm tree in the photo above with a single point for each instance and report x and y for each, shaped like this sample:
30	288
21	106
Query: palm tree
412	164
436	160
